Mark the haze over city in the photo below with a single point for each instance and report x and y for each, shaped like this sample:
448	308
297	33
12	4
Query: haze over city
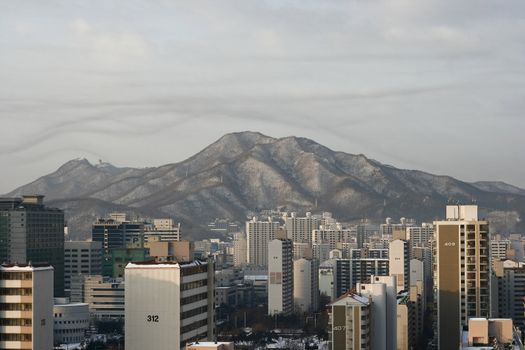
270	174
436	86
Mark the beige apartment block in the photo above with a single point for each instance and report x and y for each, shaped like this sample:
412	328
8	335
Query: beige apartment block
350	321
26	307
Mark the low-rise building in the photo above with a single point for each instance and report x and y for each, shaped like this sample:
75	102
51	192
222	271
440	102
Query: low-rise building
206	345
492	333
105	296
172	250
71	321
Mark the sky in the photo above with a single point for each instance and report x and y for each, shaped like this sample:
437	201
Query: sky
433	85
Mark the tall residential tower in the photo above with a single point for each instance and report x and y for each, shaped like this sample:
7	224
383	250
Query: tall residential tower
461	272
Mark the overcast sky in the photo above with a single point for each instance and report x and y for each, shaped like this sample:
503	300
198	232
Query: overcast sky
431	85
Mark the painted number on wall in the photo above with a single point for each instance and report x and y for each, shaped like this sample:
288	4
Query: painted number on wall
152	318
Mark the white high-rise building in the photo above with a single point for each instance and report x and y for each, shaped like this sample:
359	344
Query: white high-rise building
331	235
168	304
299	229
399	263
280	277
306	285
26	307
382	292
420	236
258	235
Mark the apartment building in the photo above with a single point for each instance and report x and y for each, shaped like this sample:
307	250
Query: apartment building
461	273
258	235
26	306
280	277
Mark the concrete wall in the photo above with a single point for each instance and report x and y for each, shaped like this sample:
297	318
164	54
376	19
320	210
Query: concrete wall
42	309
152	308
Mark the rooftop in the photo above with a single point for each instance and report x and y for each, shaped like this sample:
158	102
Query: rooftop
343	299
25	267
152	264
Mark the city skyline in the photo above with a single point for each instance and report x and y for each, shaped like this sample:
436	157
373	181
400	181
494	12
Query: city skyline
86	80
256	174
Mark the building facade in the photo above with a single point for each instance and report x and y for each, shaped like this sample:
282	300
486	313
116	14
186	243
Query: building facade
399	263
509	291
306	285
240	246
280	277
33	232
349	272
169	304
162	230
26	307
382	292
350	323
81	257
258	235
461	272
331	235
104	295
71	321
299	229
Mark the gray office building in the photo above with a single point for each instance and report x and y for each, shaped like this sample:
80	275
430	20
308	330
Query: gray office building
32	232
81	258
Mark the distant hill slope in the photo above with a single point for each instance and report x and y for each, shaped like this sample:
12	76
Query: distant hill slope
247	171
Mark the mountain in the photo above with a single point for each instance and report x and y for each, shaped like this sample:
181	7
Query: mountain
244	172
498	187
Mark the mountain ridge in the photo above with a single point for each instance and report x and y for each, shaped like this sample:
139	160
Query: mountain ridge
243	172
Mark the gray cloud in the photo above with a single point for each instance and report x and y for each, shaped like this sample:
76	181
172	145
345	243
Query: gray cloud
436	85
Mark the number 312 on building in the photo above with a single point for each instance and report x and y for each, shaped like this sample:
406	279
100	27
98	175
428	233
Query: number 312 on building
152	318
